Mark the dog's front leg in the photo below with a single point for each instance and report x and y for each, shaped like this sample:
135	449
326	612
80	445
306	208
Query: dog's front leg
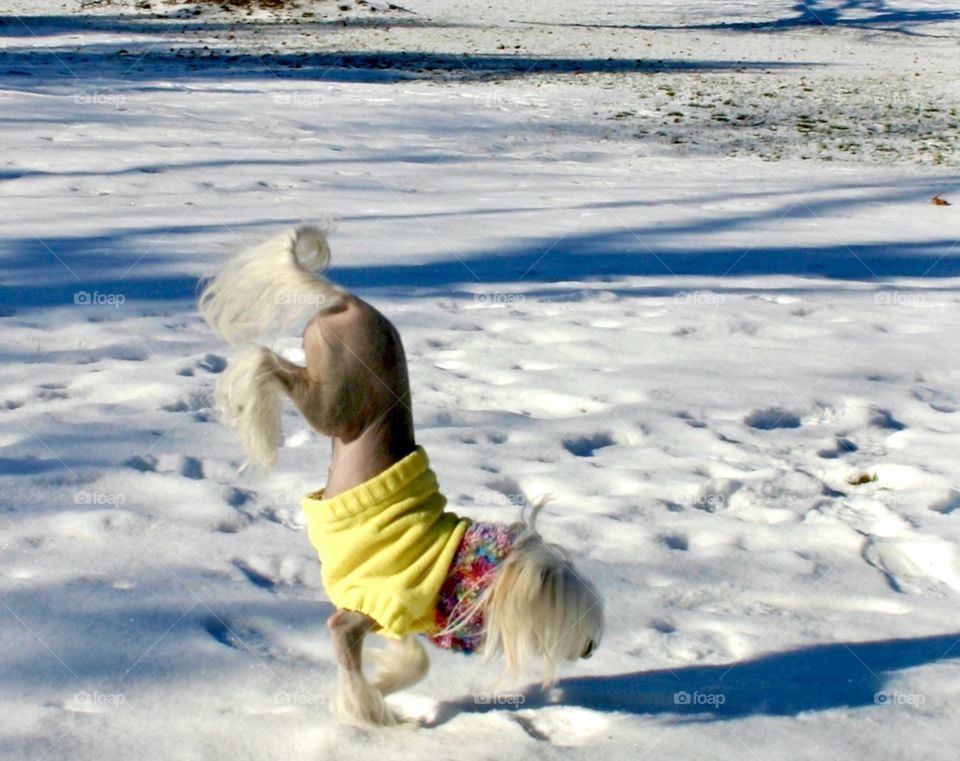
357	699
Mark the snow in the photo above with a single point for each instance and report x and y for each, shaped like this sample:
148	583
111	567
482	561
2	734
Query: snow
730	354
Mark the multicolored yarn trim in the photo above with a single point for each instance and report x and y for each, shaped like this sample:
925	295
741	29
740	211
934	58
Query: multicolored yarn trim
483	547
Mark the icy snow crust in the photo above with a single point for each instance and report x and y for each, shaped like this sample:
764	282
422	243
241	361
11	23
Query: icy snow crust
735	369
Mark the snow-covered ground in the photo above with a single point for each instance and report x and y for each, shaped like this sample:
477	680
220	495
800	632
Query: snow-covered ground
729	350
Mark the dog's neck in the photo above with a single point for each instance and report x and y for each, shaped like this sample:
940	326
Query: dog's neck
377	447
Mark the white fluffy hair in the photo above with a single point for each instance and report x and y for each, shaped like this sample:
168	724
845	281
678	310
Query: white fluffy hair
404	662
537	606
248	395
264	289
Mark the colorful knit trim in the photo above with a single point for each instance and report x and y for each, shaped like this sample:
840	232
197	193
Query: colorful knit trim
483	548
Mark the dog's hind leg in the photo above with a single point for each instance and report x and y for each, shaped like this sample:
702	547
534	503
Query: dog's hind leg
357	699
357	391
248	395
353	389
403	663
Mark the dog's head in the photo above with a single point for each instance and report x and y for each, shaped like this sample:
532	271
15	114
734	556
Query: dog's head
540	606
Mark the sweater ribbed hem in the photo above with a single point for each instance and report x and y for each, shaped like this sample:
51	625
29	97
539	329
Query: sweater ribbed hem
393	620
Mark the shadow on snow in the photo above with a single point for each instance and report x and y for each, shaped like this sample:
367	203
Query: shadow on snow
51	272
878	15
815	678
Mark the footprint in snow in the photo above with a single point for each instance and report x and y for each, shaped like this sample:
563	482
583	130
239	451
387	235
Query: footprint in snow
678	542
563	725
771	418
716	495
211	363
915	565
937	400
947	505
183	465
494	437
691	420
271	572
238	499
198	403
48	392
125	353
586	446
509	489
243	637
841	446
881	418
253	639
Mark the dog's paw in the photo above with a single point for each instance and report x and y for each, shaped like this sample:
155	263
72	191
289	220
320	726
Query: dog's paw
361	704
403	663
374	716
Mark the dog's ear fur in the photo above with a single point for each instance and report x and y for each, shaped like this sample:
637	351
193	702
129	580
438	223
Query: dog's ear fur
539	606
263	290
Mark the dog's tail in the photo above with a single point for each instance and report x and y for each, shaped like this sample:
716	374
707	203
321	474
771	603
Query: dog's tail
264	289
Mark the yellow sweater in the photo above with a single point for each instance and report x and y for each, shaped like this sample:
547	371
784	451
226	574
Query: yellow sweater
386	545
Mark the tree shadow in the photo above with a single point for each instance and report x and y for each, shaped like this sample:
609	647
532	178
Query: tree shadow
58	270
614	254
878	15
95	63
815	678
141	48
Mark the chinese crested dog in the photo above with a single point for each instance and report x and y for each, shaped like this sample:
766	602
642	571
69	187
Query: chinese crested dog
394	561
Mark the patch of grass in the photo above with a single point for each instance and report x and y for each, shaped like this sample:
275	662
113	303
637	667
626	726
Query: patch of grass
245	5
862	478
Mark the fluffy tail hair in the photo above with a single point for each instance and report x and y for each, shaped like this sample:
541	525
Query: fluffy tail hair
264	289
